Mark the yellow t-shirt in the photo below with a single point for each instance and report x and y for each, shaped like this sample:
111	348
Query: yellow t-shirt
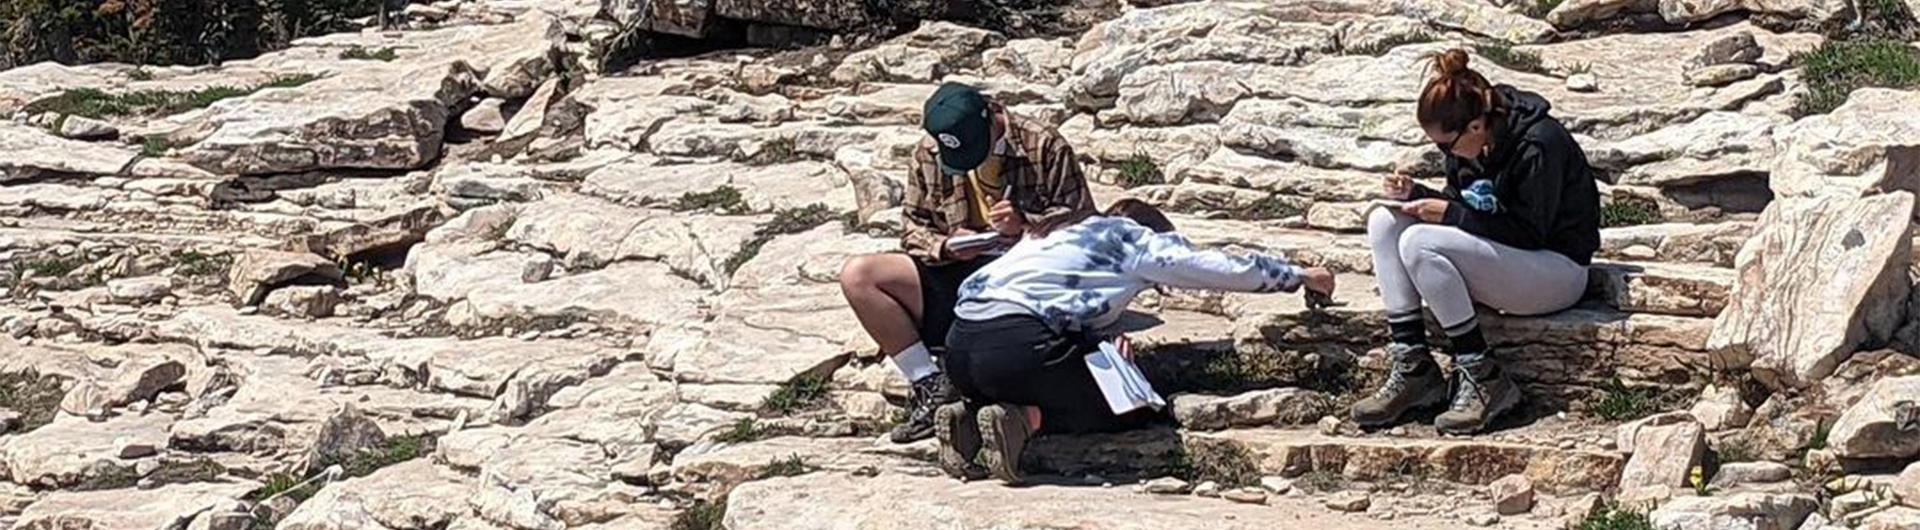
988	186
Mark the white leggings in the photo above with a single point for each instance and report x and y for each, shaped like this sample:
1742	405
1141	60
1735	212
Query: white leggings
1450	270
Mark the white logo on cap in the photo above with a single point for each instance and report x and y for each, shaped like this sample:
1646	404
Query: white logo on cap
951	141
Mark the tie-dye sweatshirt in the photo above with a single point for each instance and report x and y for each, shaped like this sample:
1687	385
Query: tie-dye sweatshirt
1080	278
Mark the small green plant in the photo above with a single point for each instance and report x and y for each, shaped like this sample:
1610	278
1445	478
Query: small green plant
744	430
791	466
1623	403
1580	68
1382	46
1697	478
1838	67
1511	58
1615	517
195	263
358	53
52	267
285	483
1626	211
154	145
393	451
34	396
1821	432
1269	207
777	151
1887	17
725	199
1539	8
140	74
107	476
1220	461
796	394
703	515
1140	170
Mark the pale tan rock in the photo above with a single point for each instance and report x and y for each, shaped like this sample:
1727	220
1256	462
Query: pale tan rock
918	56
485	117
1348	501
256	272
302	301
1512	494
1665	450
1721	74
1721	408
71	450
35	153
1884	424
142	289
1815	11
408	494
130	508
1260	408
1819	277
1845	151
1738	510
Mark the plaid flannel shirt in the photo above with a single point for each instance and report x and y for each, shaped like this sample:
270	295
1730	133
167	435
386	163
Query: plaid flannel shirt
1039	165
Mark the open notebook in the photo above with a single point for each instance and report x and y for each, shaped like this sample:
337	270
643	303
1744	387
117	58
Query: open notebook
1125	388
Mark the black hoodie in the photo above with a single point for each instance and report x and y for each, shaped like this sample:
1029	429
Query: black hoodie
1545	190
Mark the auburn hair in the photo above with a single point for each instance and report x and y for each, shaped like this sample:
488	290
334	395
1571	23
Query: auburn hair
1456	95
1141	212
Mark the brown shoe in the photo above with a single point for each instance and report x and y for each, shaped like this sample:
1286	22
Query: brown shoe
1481	394
1003	435
1414	383
958	428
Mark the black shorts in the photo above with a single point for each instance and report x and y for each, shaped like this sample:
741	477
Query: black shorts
939	292
1017	359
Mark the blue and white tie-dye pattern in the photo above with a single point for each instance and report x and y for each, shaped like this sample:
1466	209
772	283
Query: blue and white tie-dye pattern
1081	277
1479	196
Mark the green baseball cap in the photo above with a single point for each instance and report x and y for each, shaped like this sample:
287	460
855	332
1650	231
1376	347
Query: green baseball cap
957	118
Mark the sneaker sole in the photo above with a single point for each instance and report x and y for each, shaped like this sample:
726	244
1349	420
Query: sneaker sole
954	460
1003	440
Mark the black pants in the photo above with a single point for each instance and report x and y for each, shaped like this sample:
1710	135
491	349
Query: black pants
1019	360
939	291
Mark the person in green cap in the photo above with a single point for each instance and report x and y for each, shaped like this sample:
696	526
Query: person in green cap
977	160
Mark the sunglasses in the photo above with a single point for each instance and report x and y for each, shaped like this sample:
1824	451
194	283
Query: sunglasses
1447	146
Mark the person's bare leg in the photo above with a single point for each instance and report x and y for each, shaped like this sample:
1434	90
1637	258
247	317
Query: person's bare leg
884	291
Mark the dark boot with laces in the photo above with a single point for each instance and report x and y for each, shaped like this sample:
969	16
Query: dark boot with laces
1482	392
1414	383
927	395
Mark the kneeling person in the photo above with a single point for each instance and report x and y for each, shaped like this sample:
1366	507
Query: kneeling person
1025	321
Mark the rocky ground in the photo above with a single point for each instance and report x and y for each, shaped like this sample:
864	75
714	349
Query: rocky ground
458	275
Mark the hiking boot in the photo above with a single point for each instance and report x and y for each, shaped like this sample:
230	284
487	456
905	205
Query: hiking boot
1414	383
927	394
957	427
1481	394
1003	436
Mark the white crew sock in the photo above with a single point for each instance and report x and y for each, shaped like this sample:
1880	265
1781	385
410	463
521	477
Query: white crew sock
916	362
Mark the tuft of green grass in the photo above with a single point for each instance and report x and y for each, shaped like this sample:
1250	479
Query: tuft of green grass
1623	403
777	151
1615	517
1220	461
1821	432
791	466
196	263
1539	8
395	450
154	146
1380	48
1580	68
1140	170
140	74
94	103
743	431
1630	212
1837	68
286	483
51	267
704	515
358	53
1888	17
725	200
785	221
34	396
797	394
1511	58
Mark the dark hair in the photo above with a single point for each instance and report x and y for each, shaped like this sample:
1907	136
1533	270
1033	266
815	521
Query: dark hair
1456	95
1141	212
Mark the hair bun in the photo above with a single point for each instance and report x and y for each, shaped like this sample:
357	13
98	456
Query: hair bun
1450	63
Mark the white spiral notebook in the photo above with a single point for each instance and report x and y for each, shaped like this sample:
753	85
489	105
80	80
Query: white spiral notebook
1121	382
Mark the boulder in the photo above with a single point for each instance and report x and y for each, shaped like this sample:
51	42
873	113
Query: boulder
84	128
1737	473
1576	13
925	55
412	494
1479	18
33	153
144	289
302	301
1907	486
485	117
1665	450
1720	75
1721	408
172	506
1845	152
1512	494
1736	48
343	435
1898	518
1884	424
258	271
1259	408
1819	278
73	451
1820	12
1743	511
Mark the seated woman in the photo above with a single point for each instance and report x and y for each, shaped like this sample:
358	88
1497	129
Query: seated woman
1026	320
1514	230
